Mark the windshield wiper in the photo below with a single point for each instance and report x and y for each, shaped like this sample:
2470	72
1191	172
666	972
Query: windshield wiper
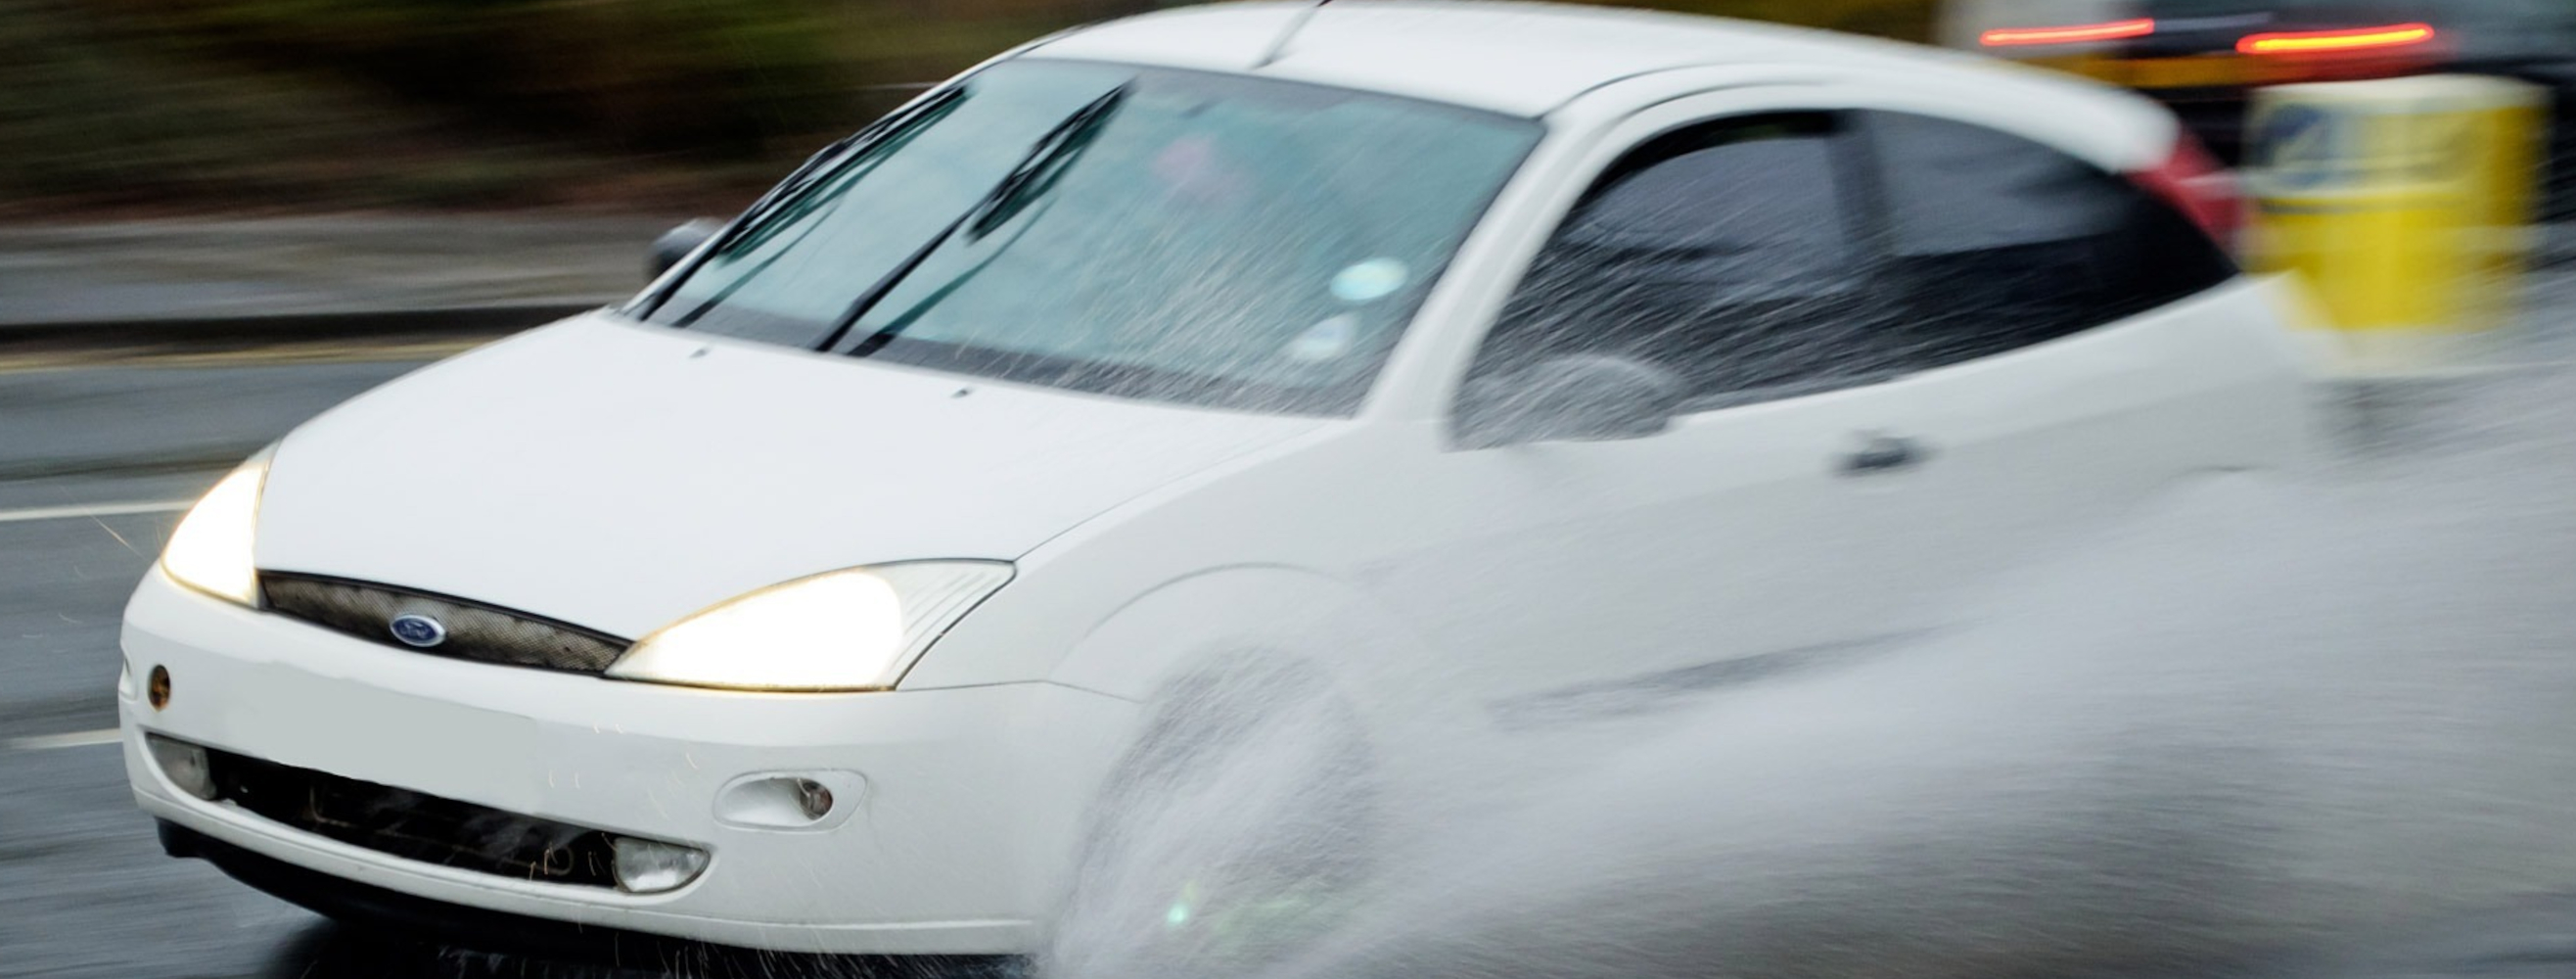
789	199
1035	174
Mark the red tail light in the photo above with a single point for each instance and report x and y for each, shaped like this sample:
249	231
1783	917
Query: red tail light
2321	42
2006	37
2194	183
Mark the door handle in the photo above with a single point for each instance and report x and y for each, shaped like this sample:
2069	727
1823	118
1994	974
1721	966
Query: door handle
1882	453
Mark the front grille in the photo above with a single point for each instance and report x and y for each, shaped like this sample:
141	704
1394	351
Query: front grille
474	631
414	825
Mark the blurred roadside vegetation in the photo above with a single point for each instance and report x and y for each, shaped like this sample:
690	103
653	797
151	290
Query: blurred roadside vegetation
143	107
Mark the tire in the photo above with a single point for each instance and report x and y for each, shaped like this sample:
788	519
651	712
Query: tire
1240	826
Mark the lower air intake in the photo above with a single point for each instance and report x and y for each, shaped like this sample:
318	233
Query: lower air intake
414	825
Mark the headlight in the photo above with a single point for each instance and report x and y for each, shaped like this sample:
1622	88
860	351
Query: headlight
210	551
842	630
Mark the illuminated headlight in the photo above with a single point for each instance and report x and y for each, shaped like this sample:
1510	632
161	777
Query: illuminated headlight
210	551
843	630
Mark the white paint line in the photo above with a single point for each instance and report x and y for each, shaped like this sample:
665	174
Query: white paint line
76	739
93	510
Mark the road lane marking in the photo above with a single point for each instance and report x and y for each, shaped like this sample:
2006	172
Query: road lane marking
76	739
93	510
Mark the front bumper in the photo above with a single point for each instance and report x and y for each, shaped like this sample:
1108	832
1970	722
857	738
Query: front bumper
404	914
957	808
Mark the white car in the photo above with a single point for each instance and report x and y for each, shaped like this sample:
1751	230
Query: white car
1544	358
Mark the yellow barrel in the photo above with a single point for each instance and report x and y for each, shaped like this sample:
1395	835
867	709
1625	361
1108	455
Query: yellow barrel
2406	204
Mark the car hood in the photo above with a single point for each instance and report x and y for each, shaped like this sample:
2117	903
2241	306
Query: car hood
619	476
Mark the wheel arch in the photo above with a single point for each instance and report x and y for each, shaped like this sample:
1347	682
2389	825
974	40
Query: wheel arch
1291	624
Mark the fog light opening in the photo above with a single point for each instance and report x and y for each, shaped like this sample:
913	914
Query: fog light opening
157	689
649	866
183	764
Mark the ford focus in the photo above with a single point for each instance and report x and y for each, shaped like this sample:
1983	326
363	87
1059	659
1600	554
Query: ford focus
848	589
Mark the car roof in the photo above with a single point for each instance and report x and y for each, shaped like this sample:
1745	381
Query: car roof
1523	59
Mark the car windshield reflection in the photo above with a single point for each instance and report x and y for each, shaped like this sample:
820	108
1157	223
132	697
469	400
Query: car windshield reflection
1158	234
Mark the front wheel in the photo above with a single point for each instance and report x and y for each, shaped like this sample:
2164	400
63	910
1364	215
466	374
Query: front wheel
1241	825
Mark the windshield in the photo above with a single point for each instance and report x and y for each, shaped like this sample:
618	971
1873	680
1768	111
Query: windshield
1158	234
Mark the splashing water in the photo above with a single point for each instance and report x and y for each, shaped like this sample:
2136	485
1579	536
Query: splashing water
2271	716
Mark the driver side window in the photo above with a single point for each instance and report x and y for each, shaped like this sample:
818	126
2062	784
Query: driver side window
1729	253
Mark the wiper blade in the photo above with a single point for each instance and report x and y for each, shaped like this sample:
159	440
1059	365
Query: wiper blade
819	169
1045	163
785	201
1036	173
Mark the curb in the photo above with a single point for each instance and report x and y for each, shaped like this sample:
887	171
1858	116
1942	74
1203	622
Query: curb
228	331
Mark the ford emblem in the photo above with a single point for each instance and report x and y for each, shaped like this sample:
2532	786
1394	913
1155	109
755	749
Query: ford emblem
415	629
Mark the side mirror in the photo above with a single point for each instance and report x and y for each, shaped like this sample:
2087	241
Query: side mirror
1575	398
677	243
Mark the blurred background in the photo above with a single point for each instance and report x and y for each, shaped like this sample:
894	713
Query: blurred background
151	108
175	159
